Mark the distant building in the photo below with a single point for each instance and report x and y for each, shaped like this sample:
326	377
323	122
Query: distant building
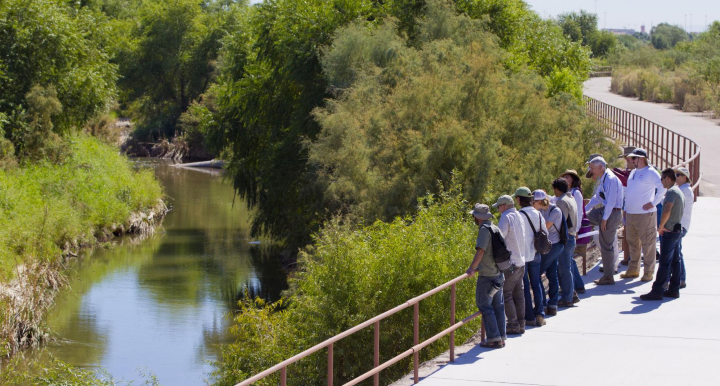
619	31
642	28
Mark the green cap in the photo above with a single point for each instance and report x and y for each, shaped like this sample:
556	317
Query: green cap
523	192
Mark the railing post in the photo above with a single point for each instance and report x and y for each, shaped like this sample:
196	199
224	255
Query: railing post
283	376
330	365
452	322
483	333
376	357
416	341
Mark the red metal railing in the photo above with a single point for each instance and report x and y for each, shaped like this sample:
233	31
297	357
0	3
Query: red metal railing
377	367
665	147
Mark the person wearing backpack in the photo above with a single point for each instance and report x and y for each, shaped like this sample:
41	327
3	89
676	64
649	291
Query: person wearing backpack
566	202
557	235
512	227
489	288
536	242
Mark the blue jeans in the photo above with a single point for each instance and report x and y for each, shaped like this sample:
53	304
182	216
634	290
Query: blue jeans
532	281
567	283
489	300
577	279
670	245
549	266
682	260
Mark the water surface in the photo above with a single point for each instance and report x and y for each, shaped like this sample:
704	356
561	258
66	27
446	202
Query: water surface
161	305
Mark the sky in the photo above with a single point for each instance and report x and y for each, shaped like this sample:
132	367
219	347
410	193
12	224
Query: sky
634	13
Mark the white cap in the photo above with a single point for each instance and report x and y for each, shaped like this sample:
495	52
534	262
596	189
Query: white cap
539	195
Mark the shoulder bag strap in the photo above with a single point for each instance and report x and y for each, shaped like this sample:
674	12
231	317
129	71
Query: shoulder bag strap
530	221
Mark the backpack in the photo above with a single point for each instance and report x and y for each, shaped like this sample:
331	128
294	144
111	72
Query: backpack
563	231
541	241
499	249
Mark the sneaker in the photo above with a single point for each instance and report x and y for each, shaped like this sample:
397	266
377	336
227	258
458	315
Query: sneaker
551	311
624	262
540	321
576	298
671	294
682	284
651	296
647	276
605	280
563	304
580	290
630	274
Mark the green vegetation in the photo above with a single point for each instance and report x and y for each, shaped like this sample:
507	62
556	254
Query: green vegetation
582	27
49	209
687	75
345	279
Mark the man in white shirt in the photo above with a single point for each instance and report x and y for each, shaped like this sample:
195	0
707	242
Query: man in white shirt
512	227
608	217
644	192
534	310
683	181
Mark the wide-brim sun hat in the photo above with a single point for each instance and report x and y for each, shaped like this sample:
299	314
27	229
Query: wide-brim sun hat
627	150
503	200
571	172
481	212
685	172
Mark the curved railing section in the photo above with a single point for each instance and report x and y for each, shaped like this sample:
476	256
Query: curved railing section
665	147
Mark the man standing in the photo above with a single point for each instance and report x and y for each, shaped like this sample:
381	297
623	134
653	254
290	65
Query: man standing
566	203
683	181
512	228
489	288
608	217
671	240
644	192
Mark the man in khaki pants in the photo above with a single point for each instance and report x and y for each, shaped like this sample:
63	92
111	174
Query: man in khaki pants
644	191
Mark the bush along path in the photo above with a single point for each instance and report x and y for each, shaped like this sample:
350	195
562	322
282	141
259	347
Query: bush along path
48	212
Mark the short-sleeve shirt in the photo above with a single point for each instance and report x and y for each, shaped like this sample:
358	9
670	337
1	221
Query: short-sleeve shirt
487	266
555	216
676	197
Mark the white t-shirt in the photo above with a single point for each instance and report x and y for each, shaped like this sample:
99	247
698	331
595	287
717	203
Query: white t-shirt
512	227
539	223
643	186
686	189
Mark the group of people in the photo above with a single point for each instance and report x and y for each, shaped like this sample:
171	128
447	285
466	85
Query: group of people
541	238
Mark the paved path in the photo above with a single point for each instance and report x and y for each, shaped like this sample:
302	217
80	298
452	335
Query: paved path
703	131
614	338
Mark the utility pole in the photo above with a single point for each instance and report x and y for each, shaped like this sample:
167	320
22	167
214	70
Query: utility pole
690	22
605	20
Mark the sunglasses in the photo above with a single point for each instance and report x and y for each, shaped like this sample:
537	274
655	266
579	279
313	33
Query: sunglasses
679	175
633	158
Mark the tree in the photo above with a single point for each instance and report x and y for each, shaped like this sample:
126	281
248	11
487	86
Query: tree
171	62
49	49
665	36
584	23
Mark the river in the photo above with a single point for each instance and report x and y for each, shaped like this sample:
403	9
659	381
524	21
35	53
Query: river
161	305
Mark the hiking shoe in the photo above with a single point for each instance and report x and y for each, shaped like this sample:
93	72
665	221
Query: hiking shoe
576	298
651	296
605	280
671	294
647	276
682	284
624	262
551	311
630	274
603	270
540	321
563	304
514	331
530	323
580	290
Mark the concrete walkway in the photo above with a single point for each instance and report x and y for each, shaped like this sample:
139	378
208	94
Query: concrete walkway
614	338
703	131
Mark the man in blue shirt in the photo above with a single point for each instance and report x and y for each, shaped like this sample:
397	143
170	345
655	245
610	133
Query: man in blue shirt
608	217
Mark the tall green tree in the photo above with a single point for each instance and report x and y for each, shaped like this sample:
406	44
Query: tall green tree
665	36
50	51
170	61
